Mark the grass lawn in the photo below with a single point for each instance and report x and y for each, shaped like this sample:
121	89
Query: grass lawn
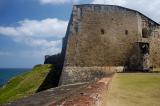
135	89
25	84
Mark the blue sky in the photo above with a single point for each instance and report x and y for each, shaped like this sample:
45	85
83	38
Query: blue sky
30	29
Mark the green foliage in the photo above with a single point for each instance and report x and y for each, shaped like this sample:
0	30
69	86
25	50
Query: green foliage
135	89
25	84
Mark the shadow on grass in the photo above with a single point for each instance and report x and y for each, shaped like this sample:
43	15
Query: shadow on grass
54	74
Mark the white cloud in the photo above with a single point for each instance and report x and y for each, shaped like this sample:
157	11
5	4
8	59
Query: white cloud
147	7
111	2
58	1
50	27
37	35
44	47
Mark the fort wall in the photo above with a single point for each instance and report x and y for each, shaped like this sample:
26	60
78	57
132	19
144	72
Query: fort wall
108	36
100	36
100	40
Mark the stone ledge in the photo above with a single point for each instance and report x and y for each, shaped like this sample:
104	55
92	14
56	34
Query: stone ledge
92	95
80	94
50	96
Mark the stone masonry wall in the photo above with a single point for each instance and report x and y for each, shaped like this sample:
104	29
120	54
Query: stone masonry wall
101	36
108	36
86	74
153	39
155	52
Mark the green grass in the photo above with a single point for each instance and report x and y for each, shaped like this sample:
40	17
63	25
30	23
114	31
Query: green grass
25	84
135	89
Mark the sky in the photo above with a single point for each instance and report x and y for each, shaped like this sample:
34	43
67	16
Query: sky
31	29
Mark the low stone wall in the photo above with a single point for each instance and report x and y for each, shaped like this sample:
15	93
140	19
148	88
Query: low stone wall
72	75
51	96
92	95
79	94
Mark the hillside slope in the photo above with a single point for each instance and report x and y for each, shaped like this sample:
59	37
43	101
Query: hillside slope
25	84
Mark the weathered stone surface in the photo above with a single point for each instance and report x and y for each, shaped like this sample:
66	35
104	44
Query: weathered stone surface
108	36
79	94
92	95
51	96
85	74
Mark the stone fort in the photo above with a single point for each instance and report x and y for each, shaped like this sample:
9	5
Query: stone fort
100	40
103	38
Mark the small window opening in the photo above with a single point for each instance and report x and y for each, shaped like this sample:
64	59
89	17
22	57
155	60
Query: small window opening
102	31
126	32
145	33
